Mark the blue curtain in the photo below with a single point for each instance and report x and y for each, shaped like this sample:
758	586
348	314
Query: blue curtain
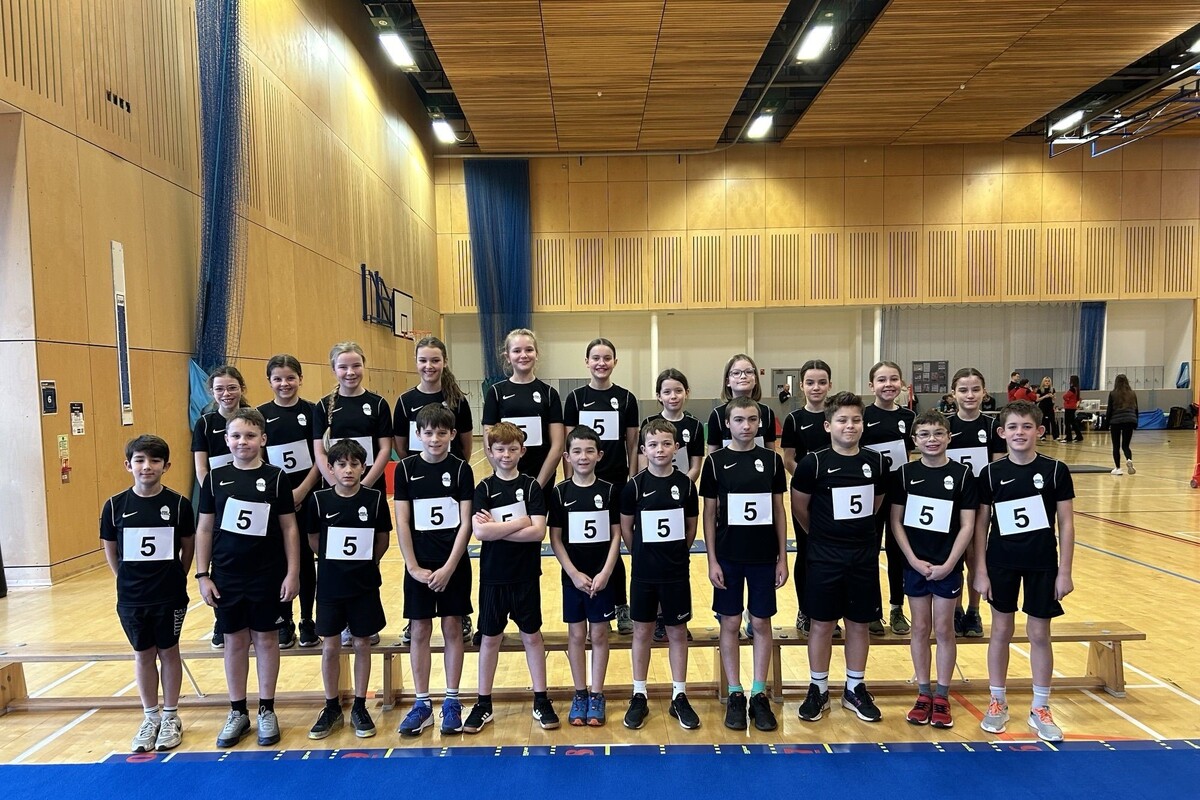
1091	339
498	216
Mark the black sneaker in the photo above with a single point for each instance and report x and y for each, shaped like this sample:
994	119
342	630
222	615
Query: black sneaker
815	704
972	625
862	703
287	635
735	712
761	713
543	712
406	634
959	616
308	634
682	710
466	628
360	720
218	641
326	723
480	715
477	639
660	630
635	717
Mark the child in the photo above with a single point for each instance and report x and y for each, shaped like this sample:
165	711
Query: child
433	520
248	554
671	391
510	521
740	380
289	431
352	412
888	431
933	504
348	526
836	494
612	412
530	404
659	508
745	531
148	533
1020	498
585	534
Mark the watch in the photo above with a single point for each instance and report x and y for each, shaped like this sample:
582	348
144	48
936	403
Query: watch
200	575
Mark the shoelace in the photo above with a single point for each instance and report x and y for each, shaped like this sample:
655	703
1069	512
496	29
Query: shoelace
922	704
995	708
1044	715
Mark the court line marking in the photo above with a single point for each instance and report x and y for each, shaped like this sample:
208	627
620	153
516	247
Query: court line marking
64	729
63	679
1135	561
1159	682
1129	526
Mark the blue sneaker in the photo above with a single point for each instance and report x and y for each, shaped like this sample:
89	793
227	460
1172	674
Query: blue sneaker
420	718
451	716
595	713
579	707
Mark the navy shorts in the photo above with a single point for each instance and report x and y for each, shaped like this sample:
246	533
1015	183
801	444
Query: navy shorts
522	602
759	583
363	615
578	607
1038	588
675	597
917	585
149	627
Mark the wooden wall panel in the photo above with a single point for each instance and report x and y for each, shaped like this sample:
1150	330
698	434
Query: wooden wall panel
1061	262
942	265
629	272
982	257
1020	257
788	263
551	286
1179	259
107	75
826	267
746	283
1142	254
1101	256
37	59
171	136
670	284
865	259
903	264
709	271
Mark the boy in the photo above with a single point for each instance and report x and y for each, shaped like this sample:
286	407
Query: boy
148	534
510	521
933	504
433	520
746	531
836	494
1020	498
585	533
659	508
249	566
348	526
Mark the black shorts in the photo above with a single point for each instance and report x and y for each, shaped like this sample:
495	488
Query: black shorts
578	607
1039	591
759	580
363	615
675	597
917	585
148	627
421	602
522	602
842	582
239	612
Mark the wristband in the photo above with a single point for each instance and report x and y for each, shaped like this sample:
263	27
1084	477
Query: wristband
200	575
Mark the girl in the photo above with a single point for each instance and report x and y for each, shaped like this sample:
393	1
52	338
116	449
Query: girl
1045	401
437	385
289	421
1072	427
1122	419
887	429
740	380
530	404
612	412
671	391
352	412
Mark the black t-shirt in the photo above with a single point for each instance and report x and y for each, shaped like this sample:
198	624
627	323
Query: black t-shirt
404	419
290	438
247	546
533	407
585	515
366	418
974	443
932	498
610	413
718	430
502	562
149	533
1046	401
346	551
805	431
888	433
659	507
843	490
1024	503
744	485
434	491
209	437
689	439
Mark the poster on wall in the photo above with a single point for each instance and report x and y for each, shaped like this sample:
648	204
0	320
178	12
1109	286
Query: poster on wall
124	386
930	377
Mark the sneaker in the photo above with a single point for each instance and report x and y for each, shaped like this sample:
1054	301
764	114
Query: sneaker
862	703
1042	721
1132	471
815	703
940	718
308	634
480	715
660	630
919	714
374	639
360	719
996	718
747	627
477	638
347	639
417	720
682	710
624	622
237	725
406	634
972	625
899	623
761	713
1116	471
543	712
803	624
735	712
635	717
467	628
170	733
327	722
837	630
451	716
218	641
268	728
578	713
876	628
959	616
147	735
596	713
287	635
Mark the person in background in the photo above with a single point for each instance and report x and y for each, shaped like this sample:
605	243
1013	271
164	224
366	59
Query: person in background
1122	419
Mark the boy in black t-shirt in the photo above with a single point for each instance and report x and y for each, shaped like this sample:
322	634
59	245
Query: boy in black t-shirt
745	532
248	554
510	521
933	504
347	526
659	508
585	533
835	496
1020	499
148	534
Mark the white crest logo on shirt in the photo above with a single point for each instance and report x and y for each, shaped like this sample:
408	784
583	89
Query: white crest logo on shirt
165	513
674	492
900	426
260	484
362	513
758	465
520	495
614	403
537	397
866	470
367	409
687	436
1038	483
446	479
599	502
302	419
983	437
948	482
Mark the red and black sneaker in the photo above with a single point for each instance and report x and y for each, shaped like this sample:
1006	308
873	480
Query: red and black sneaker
941	713
919	715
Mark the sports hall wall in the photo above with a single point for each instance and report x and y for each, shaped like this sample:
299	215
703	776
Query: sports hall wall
338	172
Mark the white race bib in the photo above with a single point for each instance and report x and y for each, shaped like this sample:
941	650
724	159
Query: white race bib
589	527
368	444
148	544
893	453
1021	516
512	511
436	513
606	424
853	502
290	458
248	519
350	544
751	509
531	427
415	445
974	457
682	460
758	440
662	526
219	461
928	513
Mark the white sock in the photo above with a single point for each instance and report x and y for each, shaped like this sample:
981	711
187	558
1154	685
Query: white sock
854	680
152	713
821	679
1041	697
170	712
678	688
999	693
639	687
423	697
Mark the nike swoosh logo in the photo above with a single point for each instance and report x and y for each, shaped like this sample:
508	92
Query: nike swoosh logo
331	516
1007	482
589	405
130	514
273	419
682	616
567	505
914	483
418	477
335	410
956	433
497	494
507	397
218	430
226	483
873	424
647	494
729	466
806	427
610	614
835	469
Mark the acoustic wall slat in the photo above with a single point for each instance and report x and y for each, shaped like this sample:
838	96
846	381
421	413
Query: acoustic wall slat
981	261
941	278
1101	252
903	258
787	263
824	267
1020	259
667	267
466	299
1141	256
865	257
1061	263
628	284
745	267
707	276
590	273
1180	259
550	286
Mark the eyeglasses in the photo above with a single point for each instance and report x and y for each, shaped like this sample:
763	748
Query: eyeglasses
922	436
741	373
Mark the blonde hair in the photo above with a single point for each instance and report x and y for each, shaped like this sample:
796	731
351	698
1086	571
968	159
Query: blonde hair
341	348
451	391
513	334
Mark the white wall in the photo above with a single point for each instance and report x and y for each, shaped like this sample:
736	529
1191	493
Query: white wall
1149	333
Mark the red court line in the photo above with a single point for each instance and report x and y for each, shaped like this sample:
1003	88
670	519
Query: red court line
977	714
1127	525
1008	737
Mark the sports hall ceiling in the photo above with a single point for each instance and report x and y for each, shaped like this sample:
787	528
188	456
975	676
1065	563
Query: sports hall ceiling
523	76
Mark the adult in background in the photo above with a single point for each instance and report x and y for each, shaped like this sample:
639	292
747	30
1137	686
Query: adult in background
1014	383
1045	400
1122	419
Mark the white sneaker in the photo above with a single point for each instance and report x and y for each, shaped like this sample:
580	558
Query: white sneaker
1041	720
1116	471
996	718
146	736
1129	466
170	733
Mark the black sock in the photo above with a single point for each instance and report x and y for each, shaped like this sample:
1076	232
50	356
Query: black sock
539	696
265	704
334	704
360	703
581	693
239	706
484	700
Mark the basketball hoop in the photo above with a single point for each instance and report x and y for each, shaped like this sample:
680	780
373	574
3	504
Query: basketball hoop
414	335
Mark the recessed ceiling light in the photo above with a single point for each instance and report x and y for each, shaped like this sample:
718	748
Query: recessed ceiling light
760	127
398	51
1067	122
443	132
815	42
